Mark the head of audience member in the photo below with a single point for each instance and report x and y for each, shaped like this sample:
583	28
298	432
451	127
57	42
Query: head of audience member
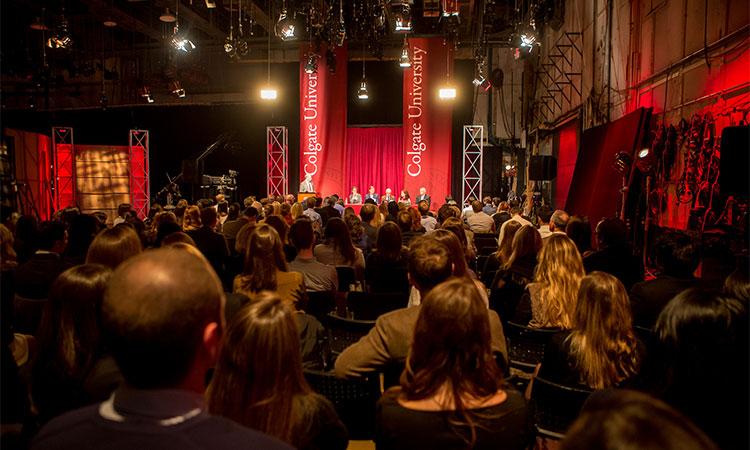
279	224
526	244
209	218
251	214
505	249
514	207
204	203
424	208
113	246
69	333
337	235
310	202
349	211
456	226
220	198
83	229
445	212
559	273
223	209
162	317
367	213
302	235
450	240
449	200
354	223
153	210
192	218
611	232
289	199
487	200
164	229
737	283
429	263
264	257
503	207
451	359
558	221
416	219
389	243
393	209
476	206
233	212
602	343
496	202
8	257
27	228
258	380
334	199
267	210
618	419
52	237
717	260
248	201
296	210
676	254
178	237
123	209
544	214
579	230
404	221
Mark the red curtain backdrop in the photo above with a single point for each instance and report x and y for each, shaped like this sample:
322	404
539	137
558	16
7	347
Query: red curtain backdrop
374	157
33	161
567	151
427	119
323	123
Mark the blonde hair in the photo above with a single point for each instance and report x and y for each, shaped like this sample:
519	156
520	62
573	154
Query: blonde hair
602	343
276	208
558	275
192	218
7	252
297	210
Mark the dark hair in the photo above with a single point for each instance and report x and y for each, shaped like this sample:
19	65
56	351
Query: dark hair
155	310
83	229
367	212
456	226
545	214
423	207
610	232
505	249
737	283
208	216
476	206
429	263
618	419
50	233
527	241
250	212
165	229
578	230
124	208
113	246
153	210
403	218
337	235
279	224
178	237
677	254
389	241
233	212
456	252
354	223
264	255
452	349
393	208
301	234
222	207
258	381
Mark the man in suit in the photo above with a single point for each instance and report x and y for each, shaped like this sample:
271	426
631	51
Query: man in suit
371	194
212	244
423	197
388	197
389	341
614	255
35	277
307	185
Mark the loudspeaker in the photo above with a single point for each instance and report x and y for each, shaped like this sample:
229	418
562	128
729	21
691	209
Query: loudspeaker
542	168
733	166
190	173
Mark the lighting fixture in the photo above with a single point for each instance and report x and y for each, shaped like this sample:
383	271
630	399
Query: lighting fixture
268	93
109	23
340	36
312	63
175	87
210	4
285	26
167	16
145	94
401	18
450	8
447	93
181	42
622	162
60	38
362	93
229	40
448	90
646	160
404	60
38	25
643	153
508	167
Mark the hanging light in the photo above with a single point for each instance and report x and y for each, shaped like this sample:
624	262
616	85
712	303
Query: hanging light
109	23
145	94
480	80
285	25
268	92
60	38
167	16
181	42
447	92
646	160
404	60
362	93
312	63
175	87
401	17
340	36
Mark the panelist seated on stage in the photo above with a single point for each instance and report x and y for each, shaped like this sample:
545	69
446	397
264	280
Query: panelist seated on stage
372	195
388	197
423	197
404	198
306	186
355	198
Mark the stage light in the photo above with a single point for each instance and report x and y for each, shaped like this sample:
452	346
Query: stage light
312	63
145	94
181	42
643	153
482	82
362	93
401	18
167	16
268	93
646	160
508	167
38	25
622	162
285	26
528	41
447	93
404	60
175	87
60	38
210	4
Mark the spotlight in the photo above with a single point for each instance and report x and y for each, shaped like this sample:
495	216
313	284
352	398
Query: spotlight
646	160
450	8
528	41
168	16
145	94
644	152
362	93
175	87
229	45
508	167
312	63
268	93
210	4
38	25
285	27
447	93
109	23
404	60
482	82
402	18
60	38
181	42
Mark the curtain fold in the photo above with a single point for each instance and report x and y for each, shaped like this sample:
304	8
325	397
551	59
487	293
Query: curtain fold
374	156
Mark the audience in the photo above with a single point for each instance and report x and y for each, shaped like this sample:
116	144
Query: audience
81	233
516	273
452	393
114	246
317	276
192	219
162	317
370	223
258	380
338	250
35	277
614	255
514	212
579	230
480	221
406	224
279	224
426	220
501	255
213	245
385	270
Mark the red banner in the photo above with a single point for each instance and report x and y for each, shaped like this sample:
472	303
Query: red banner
427	120
323	99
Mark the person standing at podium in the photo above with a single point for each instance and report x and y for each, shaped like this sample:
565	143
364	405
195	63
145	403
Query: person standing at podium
306	186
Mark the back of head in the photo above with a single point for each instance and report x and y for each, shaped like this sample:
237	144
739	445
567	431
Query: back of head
559	273
423	207
450	240
456	226
192	218
83	228
279	224
389	241
611	232
476	206
445	212
301	234
337	233
50	235
429	263
250	212
545	213
579	230
367	213
737	283
166	228
264	256
403	218
393	208
233	212
560	219
178	237
629	420
526	242
677	254
123	208
155	311
113	246
209	217
505	249
310	202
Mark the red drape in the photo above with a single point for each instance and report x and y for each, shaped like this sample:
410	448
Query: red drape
375	157
567	152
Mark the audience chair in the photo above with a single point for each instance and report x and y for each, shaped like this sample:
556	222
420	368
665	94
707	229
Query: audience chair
320	303
368	306
343	332
555	407
526	345
27	314
486	243
347	277
355	400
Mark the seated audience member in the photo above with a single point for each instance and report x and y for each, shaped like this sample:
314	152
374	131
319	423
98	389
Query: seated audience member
266	269
737	283
328	211
555	223
579	230
26	236
318	276
114	246
370	224
192	219
388	342
338	250
511	279
385	270
213	245
445	212
488	207
286	214
297	210
426	220
163	354
717	260
502	215
71	368
83	229
233	214
279	224
677	257
123	209
259	383
311	214
702	365
404	222
550	299
479	221
601	350
466	238
392	209
501	255
468	209
165	229
452	394
179	210
357	232
614	255
178	237
34	277
515	214
232	227
222	209
618	419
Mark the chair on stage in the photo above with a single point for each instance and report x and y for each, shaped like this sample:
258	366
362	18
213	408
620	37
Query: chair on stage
368	306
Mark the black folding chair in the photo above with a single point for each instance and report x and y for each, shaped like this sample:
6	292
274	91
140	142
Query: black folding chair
343	332
319	304
526	345
485	243
353	399
555	407
347	277
368	306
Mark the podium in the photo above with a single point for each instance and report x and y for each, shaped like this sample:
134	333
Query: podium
302	196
